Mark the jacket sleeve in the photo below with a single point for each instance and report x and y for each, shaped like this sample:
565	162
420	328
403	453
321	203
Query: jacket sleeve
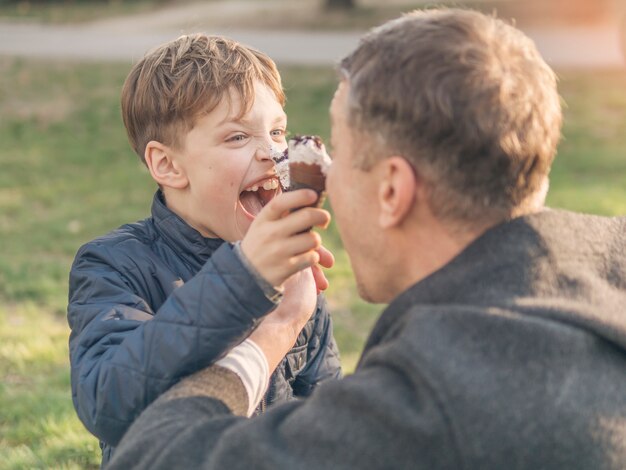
380	417
123	355
323	361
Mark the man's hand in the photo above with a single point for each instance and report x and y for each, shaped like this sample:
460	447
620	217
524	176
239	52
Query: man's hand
327	260
279	330
279	242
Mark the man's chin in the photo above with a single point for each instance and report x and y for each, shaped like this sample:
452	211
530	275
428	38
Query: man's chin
371	295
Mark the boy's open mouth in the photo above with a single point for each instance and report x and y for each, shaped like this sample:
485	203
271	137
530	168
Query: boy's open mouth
257	195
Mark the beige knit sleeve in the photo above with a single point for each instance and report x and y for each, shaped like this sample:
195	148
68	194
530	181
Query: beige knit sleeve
215	382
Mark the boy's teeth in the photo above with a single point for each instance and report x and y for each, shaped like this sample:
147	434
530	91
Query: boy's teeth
267	185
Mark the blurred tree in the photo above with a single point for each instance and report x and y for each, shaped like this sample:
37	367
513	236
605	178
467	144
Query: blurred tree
340	4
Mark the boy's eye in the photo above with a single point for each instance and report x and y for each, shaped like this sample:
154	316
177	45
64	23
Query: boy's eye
278	132
236	138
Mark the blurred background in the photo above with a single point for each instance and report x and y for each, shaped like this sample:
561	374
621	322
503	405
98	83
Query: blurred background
67	173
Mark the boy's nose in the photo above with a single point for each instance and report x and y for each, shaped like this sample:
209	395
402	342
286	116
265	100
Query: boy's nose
263	151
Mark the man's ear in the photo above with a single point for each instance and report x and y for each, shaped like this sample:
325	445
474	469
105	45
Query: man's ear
397	191
163	167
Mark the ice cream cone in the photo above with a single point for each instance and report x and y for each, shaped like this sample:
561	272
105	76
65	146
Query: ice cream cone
308	163
305	176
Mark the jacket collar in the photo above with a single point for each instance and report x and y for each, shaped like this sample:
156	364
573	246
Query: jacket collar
179	235
500	266
554	264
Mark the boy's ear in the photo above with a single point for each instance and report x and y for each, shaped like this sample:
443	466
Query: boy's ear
397	191
164	167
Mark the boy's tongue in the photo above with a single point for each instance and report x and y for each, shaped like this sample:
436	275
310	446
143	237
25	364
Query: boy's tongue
257	195
250	202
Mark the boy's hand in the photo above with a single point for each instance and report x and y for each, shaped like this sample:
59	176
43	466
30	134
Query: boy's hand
279	242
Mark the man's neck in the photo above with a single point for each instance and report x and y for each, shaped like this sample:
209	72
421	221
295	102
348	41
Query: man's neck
429	247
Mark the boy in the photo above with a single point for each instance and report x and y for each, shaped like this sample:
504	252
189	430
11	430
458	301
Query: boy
154	301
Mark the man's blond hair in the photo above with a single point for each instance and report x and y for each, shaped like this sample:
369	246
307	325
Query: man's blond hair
173	85
470	103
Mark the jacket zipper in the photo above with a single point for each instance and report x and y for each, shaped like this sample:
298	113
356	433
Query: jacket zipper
263	405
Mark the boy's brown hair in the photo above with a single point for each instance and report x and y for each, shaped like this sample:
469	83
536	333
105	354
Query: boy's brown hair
468	100
167	90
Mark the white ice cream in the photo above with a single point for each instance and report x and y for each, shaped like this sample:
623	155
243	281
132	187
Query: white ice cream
282	167
307	151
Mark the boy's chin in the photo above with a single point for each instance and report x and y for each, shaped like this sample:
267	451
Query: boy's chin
243	223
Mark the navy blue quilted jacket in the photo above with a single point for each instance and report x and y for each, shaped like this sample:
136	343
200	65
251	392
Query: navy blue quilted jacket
154	301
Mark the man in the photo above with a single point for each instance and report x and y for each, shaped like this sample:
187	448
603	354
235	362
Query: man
504	342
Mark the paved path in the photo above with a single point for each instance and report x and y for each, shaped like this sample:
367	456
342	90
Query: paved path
127	39
87	43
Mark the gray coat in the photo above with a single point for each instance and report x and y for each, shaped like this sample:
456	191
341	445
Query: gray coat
512	356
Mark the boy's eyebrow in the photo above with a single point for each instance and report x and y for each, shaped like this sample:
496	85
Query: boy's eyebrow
243	120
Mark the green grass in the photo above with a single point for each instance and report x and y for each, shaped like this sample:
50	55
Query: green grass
68	175
589	173
38	425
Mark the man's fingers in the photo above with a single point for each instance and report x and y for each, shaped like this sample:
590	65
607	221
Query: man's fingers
320	278
327	259
301	220
300	262
286	202
306	260
300	244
